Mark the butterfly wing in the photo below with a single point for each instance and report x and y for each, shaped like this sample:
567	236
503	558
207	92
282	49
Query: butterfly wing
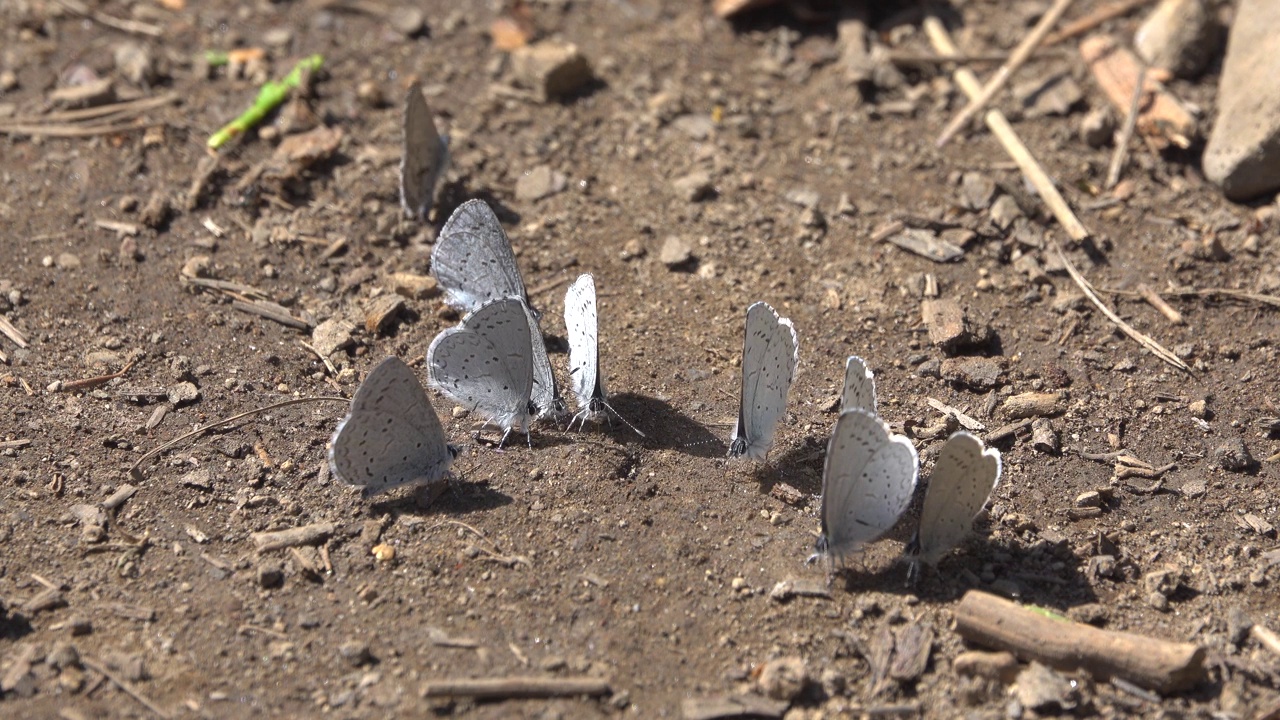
425	156
867	481
484	364
580	323
859	386
546	395
963	479
472	259
770	354
391	436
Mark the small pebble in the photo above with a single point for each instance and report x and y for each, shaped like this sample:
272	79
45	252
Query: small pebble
675	252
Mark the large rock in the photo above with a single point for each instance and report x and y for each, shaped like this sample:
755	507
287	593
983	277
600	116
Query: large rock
1243	153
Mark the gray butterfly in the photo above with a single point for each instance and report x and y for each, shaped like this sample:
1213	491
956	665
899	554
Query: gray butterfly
485	364
426	156
391	436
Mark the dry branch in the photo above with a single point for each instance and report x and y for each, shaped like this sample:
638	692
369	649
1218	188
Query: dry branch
1079	27
1156	348
515	687
305	535
1004	133
1159	665
1017	58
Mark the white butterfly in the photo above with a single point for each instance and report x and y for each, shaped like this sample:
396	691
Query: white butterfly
963	479
770	354
859	386
867	482
580	320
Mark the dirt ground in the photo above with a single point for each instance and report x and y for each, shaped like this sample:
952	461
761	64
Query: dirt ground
645	561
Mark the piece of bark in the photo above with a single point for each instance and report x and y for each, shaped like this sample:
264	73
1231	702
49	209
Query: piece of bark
1162	117
1160	665
732	706
1033	404
305	535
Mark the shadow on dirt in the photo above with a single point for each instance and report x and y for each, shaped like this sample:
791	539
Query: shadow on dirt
666	427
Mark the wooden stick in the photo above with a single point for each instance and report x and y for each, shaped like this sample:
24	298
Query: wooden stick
1159	665
14	444
1159	303
1004	132
1266	638
129	26
515	687
293	537
100	379
1126	132
13	333
123	685
121	109
136	474
1094	19
1156	348
74	131
1017	58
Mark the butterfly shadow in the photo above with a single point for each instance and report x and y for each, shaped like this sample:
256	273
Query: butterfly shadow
456	497
455	192
664	426
800	467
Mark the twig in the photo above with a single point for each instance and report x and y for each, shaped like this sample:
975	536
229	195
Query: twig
75	131
1121	152
12	333
119	497
328	365
124	685
549	286
293	537
515	687
1016	59
967	422
1266	638
271	311
1160	665
14	444
129	26
272	94
96	381
124	109
1094	19
1004	132
137	474
1156	348
1009	430
494	554
1158	303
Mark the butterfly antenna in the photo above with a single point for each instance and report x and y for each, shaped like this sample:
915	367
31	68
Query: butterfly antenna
624	420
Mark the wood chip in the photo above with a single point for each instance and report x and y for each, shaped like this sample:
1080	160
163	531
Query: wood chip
732	706
305	535
379	312
515	687
1163	118
1034	404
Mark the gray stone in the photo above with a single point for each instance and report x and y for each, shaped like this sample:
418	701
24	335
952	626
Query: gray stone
552	69
693	187
1004	211
1044	690
540	182
1243	152
675	252
976	191
1234	456
979	373
183	393
135	63
1181	36
1098	127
